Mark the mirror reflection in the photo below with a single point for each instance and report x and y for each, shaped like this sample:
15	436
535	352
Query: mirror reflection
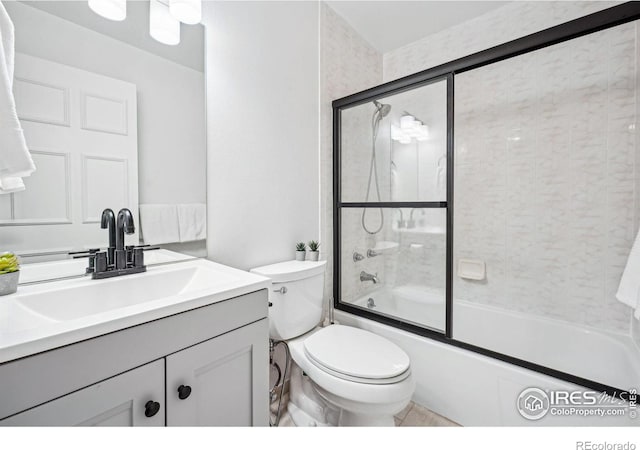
113	119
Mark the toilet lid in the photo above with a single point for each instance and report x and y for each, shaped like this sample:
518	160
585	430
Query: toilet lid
356	353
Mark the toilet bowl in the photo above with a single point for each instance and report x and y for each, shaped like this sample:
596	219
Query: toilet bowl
363	377
340	375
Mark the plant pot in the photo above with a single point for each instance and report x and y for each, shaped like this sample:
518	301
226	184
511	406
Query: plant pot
9	282
300	255
313	256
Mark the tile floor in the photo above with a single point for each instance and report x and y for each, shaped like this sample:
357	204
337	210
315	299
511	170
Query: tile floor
412	416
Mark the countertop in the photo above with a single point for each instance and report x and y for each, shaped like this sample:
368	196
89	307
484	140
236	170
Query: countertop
25	330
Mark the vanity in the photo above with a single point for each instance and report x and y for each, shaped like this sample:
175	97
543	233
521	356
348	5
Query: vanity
181	344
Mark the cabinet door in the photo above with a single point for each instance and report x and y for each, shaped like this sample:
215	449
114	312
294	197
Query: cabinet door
227	377
118	401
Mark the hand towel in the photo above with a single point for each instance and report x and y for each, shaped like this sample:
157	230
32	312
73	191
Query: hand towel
159	224
192	219
11	184
629	289
15	159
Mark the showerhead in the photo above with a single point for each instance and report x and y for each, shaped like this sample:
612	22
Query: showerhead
382	109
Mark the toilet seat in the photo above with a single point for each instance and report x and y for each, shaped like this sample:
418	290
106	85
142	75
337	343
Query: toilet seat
356	355
359	394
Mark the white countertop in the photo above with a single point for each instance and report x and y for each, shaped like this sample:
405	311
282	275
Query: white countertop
26	330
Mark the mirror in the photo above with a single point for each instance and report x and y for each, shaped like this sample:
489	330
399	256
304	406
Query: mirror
113	119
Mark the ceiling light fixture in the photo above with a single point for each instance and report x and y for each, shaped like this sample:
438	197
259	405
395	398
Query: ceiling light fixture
109	9
409	128
163	27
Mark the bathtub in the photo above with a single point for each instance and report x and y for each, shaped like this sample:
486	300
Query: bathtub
408	302
473	389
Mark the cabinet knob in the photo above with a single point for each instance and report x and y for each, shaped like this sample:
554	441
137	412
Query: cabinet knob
184	392
151	408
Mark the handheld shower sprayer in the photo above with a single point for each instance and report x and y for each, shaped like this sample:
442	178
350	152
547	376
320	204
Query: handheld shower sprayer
381	111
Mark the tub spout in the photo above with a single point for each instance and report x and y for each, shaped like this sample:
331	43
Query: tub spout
364	276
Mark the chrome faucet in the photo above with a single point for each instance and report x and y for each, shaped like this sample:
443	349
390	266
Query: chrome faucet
364	276
124	225
109	221
401	223
413	210
412	223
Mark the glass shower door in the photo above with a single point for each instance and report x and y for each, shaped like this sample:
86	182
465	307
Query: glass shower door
393	206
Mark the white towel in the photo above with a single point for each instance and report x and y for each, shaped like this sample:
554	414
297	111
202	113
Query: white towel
11	184
192	219
629	289
159	224
15	159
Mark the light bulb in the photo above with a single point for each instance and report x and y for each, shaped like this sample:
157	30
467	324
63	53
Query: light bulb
163	27
406	122
109	9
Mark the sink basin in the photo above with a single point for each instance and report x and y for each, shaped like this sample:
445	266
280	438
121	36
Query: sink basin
15	318
95	297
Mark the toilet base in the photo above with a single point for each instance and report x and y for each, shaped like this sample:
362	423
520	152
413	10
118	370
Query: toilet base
302	419
308	408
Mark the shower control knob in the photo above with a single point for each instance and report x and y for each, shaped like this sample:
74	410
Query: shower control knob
151	408
184	392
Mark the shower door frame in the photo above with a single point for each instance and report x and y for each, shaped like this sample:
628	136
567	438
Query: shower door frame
592	23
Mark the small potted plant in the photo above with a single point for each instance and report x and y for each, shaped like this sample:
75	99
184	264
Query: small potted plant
9	273
313	250
300	251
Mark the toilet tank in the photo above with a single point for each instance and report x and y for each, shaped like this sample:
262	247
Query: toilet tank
295	296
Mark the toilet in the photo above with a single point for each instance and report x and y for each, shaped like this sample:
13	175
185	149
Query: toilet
340	375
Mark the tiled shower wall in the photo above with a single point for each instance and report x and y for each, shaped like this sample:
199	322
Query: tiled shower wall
545	179
348	64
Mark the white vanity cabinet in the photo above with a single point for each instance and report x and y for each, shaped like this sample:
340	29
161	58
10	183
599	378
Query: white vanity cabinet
207	366
119	401
214	383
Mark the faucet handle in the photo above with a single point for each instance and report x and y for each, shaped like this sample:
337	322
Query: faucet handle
100	264
371	253
83	253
